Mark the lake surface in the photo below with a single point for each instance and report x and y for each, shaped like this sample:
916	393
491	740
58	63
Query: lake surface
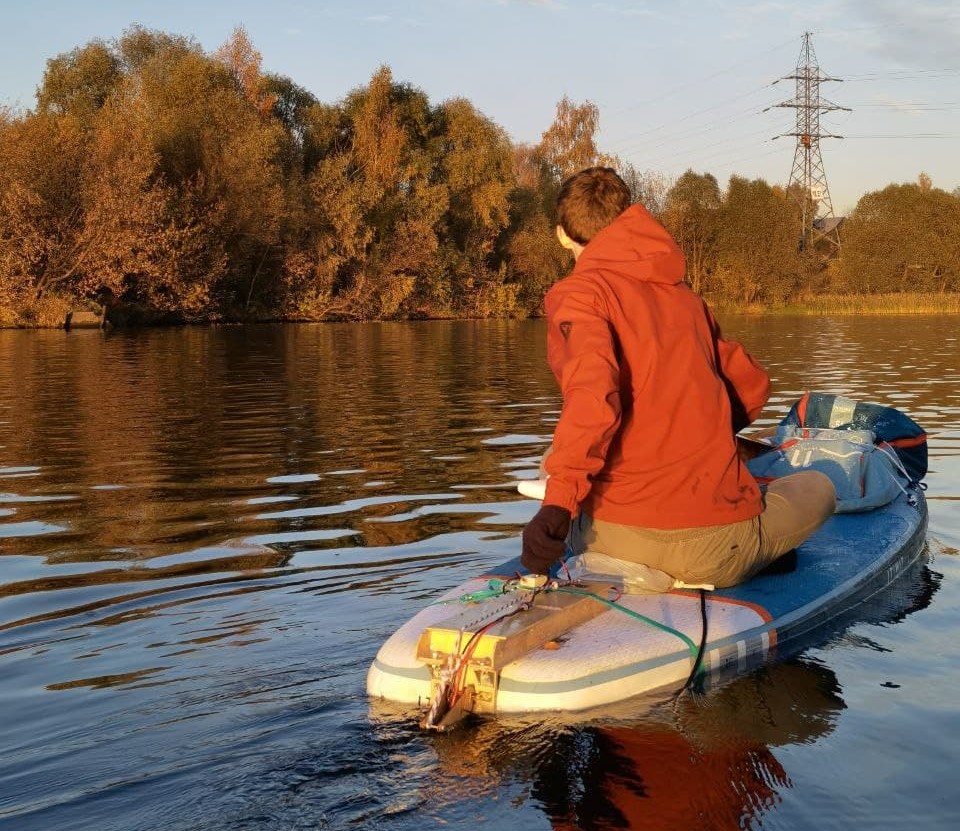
205	535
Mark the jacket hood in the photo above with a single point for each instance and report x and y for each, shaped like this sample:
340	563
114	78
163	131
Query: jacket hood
635	245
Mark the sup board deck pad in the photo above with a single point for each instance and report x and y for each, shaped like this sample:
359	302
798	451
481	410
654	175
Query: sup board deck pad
611	655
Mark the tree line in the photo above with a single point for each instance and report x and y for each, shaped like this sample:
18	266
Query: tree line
168	183
743	246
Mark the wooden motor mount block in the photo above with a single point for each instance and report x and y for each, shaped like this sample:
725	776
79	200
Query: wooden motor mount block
550	615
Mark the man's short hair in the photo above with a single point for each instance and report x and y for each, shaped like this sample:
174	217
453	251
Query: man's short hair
589	201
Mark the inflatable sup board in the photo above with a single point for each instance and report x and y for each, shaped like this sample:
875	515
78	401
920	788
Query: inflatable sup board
508	642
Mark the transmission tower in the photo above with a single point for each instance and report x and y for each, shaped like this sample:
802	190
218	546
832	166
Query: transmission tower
808	181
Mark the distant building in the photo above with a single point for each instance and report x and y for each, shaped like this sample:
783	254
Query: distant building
828	224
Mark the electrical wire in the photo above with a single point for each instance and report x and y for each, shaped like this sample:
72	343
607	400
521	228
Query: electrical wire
907	136
698	660
700	80
691	646
696	652
724	120
457	684
914	75
466	654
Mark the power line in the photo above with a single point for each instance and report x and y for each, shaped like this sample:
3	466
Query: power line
911	107
750	157
631	143
716	106
700	80
695	134
905	75
738	139
700	129
908	136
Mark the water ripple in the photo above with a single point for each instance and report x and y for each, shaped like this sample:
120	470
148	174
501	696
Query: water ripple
208	532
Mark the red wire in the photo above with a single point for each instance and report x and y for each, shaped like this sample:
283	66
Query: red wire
466	656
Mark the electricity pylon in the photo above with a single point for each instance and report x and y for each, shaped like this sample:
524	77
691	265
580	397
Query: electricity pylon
808	181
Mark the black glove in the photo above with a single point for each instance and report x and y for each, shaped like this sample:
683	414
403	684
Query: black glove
544	537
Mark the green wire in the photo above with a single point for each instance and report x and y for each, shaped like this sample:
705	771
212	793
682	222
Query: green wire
656	625
496	590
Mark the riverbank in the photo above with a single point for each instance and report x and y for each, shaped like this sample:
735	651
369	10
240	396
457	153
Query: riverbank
855	304
54	313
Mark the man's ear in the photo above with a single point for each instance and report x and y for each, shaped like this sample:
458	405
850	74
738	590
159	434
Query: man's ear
571	245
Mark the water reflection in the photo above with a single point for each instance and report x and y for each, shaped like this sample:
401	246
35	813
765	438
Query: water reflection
715	767
705	762
154	455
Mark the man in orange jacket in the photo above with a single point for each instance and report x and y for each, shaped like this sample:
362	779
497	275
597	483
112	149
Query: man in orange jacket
644	454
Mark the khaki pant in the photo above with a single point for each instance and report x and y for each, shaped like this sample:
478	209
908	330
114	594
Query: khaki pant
724	555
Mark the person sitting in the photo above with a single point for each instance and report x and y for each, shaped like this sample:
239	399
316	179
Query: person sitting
644	465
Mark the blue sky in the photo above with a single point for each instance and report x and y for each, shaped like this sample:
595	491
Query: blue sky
679	84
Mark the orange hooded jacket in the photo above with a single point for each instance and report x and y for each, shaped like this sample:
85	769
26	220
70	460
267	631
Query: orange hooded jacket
652	394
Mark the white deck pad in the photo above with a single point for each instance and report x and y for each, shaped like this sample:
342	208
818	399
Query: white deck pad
604	660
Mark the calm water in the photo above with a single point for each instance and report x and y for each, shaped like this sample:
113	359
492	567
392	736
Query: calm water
205	535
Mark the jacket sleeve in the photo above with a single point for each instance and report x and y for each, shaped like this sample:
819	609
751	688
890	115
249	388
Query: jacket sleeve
747	383
582	354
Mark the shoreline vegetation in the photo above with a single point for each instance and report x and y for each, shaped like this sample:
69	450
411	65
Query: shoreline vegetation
155	183
61	314
900	303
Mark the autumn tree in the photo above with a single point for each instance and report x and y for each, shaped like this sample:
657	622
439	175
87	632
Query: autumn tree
41	203
85	211
902	238
243	62
568	145
145	242
139	45
222	158
528	247
691	213
44	240
197	187
757	257
291	106
78	83
166	155
475	169
648	187
373	212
